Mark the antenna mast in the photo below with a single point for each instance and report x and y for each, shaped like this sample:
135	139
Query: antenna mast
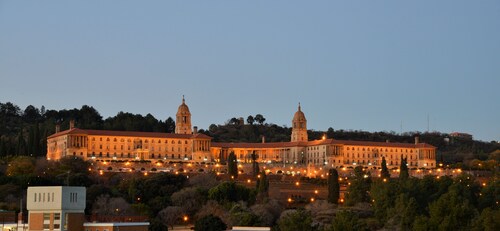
427	123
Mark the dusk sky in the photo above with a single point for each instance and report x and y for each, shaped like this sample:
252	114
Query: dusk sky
361	65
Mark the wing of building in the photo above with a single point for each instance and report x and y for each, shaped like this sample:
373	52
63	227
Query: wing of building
189	145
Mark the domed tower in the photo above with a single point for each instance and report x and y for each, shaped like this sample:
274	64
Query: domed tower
299	126
183	119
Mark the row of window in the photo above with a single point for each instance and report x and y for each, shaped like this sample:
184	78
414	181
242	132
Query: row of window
128	155
375	149
145	140
316	148
46	221
40	197
376	156
138	147
73	197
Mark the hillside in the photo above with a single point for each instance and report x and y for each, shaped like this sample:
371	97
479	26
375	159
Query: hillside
24	132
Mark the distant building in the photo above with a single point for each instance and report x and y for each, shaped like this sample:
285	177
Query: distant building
188	145
119	226
461	135
56	208
62	208
130	145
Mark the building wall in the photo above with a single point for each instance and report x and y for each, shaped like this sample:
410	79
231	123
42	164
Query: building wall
49	198
128	148
108	227
56	147
35	221
358	155
75	221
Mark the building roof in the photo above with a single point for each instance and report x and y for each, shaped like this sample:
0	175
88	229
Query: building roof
183	108
299	115
78	131
114	224
320	142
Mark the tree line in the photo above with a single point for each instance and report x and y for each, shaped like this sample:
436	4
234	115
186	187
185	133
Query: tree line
25	132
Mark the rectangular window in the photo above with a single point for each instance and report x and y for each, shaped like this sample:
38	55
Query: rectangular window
46	221
66	222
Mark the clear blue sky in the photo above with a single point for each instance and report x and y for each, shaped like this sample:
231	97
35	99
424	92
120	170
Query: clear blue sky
365	65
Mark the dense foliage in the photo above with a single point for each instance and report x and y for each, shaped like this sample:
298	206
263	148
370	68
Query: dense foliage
25	132
333	186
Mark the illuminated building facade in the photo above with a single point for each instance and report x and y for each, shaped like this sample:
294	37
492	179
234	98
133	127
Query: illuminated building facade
189	145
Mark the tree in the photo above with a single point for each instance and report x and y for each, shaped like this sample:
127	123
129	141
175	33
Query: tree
451	212
21	144
170	215
292	220
260	119
255	164
170	124
204	181
333	186
156	225
110	206
346	221
232	165
21	166
489	220
360	186
250	120
210	223
383	193
229	191
241	215
189	199
263	186
385	172
268	212
234	121
403	169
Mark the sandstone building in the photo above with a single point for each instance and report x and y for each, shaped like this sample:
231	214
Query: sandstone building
186	144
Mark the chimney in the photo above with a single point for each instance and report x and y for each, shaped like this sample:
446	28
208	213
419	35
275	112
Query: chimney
58	128
71	124
195	130
416	139
263	139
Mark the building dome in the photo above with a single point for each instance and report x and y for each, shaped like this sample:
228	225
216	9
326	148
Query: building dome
183	119
299	115
183	108
299	126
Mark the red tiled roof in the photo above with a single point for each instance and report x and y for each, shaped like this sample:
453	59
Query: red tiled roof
382	144
320	142
129	133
